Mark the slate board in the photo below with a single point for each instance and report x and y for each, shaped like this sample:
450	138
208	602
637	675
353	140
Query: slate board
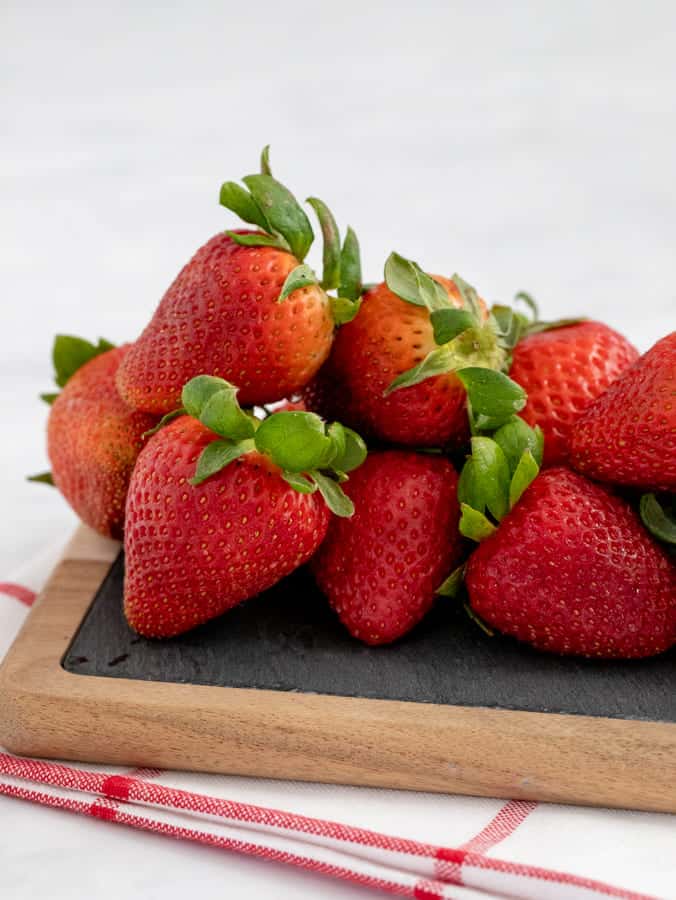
288	639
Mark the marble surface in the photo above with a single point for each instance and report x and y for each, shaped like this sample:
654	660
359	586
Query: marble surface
525	145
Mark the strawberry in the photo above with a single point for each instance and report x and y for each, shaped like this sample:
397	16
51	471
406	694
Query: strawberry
628	435
221	507
380	568
571	570
563	370
392	369
93	436
245	307
563	563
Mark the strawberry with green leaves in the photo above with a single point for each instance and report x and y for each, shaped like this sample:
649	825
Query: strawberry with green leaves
628	435
563	368
563	563
393	370
379	569
246	307
221	506
93	437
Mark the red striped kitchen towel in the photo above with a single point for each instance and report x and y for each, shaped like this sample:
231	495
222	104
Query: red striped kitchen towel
447	847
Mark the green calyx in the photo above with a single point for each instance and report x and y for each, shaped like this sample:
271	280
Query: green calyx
341	265
462	336
495	475
511	326
312	455
658	513
42	478
70	353
268	204
271	207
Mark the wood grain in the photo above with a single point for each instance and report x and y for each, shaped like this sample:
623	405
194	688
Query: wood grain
47	711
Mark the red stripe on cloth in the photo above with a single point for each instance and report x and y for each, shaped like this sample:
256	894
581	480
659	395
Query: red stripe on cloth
501	826
449	862
18	591
269	853
82	780
159	795
427	890
102	808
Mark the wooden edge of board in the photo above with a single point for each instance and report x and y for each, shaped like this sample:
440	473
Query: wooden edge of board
49	712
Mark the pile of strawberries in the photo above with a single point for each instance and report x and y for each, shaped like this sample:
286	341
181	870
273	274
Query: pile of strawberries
525	468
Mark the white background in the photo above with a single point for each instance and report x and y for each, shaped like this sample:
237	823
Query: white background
525	145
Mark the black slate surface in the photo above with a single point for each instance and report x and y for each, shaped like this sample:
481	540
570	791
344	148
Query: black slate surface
288	639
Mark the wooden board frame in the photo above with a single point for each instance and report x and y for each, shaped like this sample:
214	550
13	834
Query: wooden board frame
48	712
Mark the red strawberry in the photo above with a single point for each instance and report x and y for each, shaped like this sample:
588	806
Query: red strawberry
628	435
246	307
93	436
563	370
571	570
391	373
222	505
222	316
195	551
381	568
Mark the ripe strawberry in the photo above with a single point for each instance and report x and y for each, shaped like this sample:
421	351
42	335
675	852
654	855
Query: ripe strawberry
563	370
628	435
245	307
571	570
380	569
222	316
93	436
391	373
218	514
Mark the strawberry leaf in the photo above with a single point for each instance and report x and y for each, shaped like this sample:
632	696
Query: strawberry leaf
70	353
350	285
490	475
474	525
538	327
530	302
452	585
478	620
469	491
295	441
516	436
331	238
470	298
449	323
525	473
407	280
42	478
334	497
216	456
659	519
48	398
235	198
299	482
492	397
344	309
214	402
169	417
350	448
282	211
265	161
300	277
437	362
509	326
259	240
